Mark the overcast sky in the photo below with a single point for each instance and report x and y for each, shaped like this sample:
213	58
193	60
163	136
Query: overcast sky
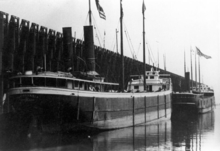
171	26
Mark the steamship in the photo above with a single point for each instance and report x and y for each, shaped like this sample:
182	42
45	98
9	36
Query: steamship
199	98
54	97
196	102
65	100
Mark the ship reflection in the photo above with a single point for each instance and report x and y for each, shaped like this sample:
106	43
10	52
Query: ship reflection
151	137
188	130
141	137
185	132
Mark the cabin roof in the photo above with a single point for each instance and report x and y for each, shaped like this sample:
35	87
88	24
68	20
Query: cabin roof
61	75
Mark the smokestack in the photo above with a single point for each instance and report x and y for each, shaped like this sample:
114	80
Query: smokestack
1	52
187	79
89	48
67	47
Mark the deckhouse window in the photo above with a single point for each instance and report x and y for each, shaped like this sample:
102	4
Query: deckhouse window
51	82
73	83
15	83
61	83
101	87
39	81
80	84
11	83
76	83
86	86
97	87
136	87
151	77
107	88
27	81
69	84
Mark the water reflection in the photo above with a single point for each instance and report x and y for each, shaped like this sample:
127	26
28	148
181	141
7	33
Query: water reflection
188	130
151	137
185	132
141	137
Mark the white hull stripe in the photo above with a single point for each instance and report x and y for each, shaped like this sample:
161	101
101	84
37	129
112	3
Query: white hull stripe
58	91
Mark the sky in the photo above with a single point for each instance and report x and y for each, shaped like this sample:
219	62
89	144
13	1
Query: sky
171	27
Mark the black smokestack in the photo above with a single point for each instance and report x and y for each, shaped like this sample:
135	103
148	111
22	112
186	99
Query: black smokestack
187	82
67	47
89	48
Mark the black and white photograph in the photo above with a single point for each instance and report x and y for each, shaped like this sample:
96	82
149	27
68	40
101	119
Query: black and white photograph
109	75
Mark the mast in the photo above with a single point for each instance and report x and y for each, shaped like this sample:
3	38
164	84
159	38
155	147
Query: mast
158	56
144	64
191	67
164	61
184	62
90	14
89	46
199	73
104	41
158	59
122	54
116	40
195	71
148	53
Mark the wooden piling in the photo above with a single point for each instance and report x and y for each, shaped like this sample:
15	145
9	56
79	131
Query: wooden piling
78	107
94	110
165	105
158	107
133	102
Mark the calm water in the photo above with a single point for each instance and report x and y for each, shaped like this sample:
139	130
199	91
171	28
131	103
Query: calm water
186	132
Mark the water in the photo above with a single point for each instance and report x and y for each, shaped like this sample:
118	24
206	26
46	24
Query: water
185	132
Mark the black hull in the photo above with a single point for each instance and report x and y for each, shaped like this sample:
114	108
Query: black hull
193	103
61	113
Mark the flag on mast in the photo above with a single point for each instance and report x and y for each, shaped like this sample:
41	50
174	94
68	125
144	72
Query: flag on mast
100	10
143	8
201	54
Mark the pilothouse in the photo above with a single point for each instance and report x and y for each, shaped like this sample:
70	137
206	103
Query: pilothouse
154	82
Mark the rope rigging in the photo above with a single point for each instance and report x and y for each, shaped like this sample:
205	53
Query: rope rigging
97	34
129	45
151	55
113	41
129	42
138	50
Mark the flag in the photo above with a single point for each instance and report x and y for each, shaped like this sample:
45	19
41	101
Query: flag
100	10
201	54
143	8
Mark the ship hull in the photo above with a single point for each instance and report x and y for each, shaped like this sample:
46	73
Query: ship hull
193	102
55	109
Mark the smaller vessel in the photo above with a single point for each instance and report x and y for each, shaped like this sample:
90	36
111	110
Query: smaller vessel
200	98
200	103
